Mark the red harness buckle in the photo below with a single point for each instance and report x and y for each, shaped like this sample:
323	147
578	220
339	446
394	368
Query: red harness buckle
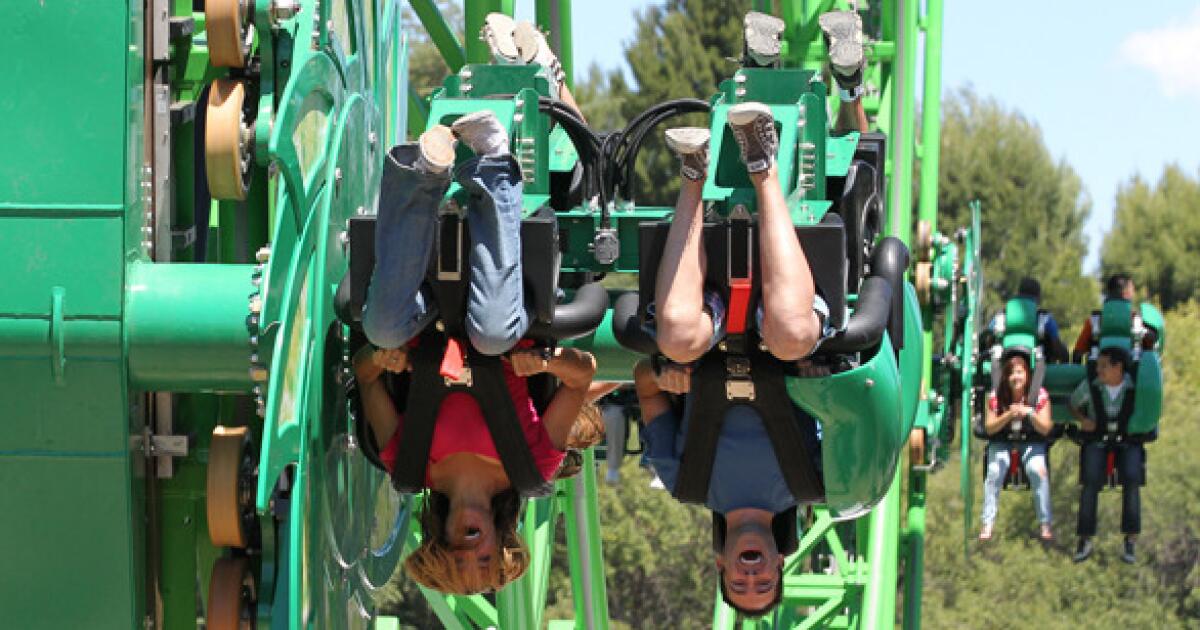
739	304
453	360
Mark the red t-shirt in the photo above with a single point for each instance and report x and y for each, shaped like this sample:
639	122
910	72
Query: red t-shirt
461	428
1043	399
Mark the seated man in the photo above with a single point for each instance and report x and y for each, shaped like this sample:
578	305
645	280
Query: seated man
1113	384
1119	286
747	490
469	524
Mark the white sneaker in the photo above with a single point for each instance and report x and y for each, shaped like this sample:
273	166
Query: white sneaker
613	477
657	483
497	33
436	150
534	48
691	145
483	133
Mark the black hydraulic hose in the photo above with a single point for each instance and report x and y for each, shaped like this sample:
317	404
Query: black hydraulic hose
624	154
636	145
586	145
627	328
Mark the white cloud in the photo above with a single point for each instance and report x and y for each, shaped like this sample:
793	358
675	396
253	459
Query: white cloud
1170	52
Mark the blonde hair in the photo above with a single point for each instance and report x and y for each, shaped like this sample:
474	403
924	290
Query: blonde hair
432	564
588	429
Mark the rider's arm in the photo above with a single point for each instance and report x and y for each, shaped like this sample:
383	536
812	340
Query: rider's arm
1042	422
369	365
994	420
574	370
1084	341
1080	398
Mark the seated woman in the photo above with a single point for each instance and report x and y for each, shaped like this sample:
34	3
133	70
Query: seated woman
469	523
1011	424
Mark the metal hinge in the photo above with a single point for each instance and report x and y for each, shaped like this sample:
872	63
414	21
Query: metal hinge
163	448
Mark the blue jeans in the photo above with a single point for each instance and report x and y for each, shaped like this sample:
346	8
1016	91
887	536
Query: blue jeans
1033	458
1131	467
398	306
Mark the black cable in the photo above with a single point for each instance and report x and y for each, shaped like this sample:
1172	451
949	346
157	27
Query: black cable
622	156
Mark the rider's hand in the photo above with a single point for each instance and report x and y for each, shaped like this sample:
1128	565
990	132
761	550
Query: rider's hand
1088	426
391	359
528	362
675	378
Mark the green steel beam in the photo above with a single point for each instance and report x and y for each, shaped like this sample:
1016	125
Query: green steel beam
475	11
879	599
554	16
914	544
589	593
442	35
901	136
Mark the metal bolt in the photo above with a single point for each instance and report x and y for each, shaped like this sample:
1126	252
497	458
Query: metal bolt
722	346
440	326
256	304
263	254
258	374
869	382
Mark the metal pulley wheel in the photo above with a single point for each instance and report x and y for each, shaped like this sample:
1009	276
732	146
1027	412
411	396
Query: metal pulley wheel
227	24
924	241
916	448
227	140
923	279
232	595
230	488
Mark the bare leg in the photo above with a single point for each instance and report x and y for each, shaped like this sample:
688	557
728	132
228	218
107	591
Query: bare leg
684	328
851	117
564	94
790	327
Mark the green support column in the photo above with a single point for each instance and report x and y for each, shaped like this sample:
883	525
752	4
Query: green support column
583	545
475	12
914	538
879	599
931	148
442	35
555	16
902	134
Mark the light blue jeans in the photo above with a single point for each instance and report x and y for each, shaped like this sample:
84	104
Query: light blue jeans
1033	458
398	306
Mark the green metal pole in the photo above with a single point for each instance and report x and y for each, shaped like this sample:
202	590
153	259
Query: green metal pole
914	536
931	148
476	12
902	139
555	16
442	35
879	600
583	545
186	327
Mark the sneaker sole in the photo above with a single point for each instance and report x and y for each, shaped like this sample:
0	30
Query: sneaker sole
844	30
687	140
745	113
437	147
763	36
528	41
498	34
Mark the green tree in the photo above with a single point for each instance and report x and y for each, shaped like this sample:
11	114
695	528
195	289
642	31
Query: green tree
680	49
426	69
1033	207
1155	234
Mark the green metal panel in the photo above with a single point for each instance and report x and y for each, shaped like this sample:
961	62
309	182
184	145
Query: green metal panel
912	360
81	253
860	417
1147	404
86	415
70	559
63	117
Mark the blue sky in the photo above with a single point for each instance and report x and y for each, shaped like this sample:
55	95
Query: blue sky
1114	90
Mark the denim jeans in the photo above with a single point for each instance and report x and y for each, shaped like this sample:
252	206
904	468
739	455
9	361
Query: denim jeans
1033	458
398	306
1131	461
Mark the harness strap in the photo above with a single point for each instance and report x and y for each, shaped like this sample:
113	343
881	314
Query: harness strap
1101	411
487	385
1035	384
739	272
769	398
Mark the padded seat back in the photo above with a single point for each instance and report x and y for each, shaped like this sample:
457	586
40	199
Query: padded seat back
1116	325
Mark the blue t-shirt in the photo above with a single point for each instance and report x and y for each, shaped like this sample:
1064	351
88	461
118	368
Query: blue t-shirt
746	473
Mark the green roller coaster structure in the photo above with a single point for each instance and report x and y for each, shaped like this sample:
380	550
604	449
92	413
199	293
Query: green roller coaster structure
177	448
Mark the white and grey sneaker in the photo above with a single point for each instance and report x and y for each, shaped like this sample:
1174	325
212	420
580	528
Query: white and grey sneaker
534	48
753	127
844	38
483	133
436	150
497	33
763	37
691	145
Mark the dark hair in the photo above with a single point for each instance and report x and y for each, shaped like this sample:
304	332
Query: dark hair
1117	355
1004	393
751	612
1028	287
1116	285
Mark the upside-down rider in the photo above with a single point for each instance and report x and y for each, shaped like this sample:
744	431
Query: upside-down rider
747	488
469	522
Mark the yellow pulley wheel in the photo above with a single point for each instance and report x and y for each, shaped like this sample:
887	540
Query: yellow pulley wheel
923	279
924	240
232	595
224	22
916	447
226	150
230	487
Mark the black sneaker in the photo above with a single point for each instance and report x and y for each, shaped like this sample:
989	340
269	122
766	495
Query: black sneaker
844	39
754	129
691	145
763	35
1128	554
1084	550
